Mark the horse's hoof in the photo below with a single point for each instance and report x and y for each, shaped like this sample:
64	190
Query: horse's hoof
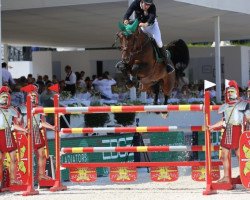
129	84
164	115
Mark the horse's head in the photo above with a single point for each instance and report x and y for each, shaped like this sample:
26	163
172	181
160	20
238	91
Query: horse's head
128	35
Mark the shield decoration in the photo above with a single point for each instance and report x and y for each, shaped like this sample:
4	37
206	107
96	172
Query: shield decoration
81	175
199	173
164	174
123	174
244	159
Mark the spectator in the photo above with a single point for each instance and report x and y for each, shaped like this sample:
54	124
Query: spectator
105	87
46	96
88	83
17	96
6	75
70	80
54	79
45	79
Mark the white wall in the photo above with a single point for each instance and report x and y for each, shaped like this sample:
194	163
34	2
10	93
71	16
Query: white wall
234	58
20	68
245	65
84	60
42	63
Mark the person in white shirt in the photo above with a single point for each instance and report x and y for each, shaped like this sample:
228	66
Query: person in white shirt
104	86
6	75
70	80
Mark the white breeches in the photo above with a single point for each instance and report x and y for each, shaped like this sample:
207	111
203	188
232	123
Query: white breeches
154	31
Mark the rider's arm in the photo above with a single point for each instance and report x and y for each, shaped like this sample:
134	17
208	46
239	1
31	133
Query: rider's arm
130	10
151	14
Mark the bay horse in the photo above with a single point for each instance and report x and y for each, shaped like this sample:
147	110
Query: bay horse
141	60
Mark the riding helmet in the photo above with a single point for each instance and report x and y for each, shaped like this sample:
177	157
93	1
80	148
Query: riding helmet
148	1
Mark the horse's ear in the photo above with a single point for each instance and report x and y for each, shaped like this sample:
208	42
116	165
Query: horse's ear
121	26
134	26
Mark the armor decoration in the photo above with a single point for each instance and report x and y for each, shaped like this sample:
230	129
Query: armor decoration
7	114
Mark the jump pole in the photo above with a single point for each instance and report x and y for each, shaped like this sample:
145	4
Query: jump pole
207	121
58	183
30	186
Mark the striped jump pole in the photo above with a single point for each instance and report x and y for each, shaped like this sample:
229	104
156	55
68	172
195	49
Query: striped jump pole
30	182
58	186
141	129
139	164
72	150
207	122
122	109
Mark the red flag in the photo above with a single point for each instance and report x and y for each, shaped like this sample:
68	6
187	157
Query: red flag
54	88
29	88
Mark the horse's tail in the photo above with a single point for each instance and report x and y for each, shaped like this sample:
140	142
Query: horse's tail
179	56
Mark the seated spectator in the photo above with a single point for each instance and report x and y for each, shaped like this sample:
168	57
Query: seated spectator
88	83
185	92
61	86
46	97
17	96
54	79
104	86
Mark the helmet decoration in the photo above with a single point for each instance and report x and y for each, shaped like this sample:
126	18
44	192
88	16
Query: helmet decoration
232	92
32	90
5	98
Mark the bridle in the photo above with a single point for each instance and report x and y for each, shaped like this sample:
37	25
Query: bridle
136	49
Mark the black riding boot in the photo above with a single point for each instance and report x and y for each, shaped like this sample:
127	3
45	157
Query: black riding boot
164	54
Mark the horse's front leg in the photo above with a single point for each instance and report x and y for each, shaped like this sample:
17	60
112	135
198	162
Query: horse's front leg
165	114
125	69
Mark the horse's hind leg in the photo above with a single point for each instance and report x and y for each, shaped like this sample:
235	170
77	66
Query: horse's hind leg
166	97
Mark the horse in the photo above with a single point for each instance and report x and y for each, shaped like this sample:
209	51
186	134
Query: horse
141	59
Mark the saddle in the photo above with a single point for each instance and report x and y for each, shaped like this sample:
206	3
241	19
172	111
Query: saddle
157	51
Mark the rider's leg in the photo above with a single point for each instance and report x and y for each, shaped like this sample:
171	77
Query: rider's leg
154	30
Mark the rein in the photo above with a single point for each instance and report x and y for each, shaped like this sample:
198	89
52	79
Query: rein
135	50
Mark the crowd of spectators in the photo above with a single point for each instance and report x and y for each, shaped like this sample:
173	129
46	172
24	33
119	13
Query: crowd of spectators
104	85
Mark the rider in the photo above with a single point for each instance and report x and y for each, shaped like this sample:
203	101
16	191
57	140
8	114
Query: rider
145	12
234	111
